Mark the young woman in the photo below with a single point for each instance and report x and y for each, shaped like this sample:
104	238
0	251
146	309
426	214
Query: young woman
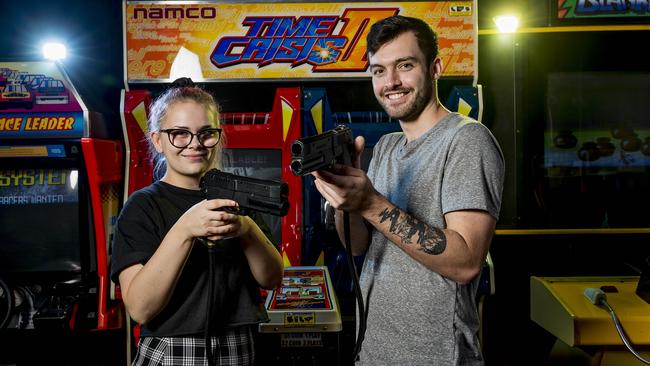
160	262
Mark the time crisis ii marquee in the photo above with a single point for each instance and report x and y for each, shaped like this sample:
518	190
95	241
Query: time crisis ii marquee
235	41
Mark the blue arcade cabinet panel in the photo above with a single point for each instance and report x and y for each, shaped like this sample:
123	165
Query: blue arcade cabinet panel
321	244
467	100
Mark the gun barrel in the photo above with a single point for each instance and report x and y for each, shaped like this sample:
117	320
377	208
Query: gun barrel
297	147
321	151
302	167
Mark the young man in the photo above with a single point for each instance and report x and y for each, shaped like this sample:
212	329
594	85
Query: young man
431	200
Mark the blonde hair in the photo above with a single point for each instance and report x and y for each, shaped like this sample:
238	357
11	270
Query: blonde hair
158	112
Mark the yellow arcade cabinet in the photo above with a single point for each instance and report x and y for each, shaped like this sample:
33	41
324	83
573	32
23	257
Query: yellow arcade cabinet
586	333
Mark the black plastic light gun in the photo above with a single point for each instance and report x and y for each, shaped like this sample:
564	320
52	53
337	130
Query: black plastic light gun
322	151
264	196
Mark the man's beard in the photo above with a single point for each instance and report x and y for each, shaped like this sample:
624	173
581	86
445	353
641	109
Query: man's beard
411	110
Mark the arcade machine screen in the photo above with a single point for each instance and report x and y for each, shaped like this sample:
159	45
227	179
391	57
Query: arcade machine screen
596	149
39	220
261	164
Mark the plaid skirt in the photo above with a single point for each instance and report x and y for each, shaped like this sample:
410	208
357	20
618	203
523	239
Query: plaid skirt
234	347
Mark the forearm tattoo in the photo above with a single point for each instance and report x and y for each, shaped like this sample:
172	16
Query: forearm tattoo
431	240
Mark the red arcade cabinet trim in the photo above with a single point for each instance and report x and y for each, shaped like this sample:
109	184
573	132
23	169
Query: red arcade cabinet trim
278	130
134	110
103	160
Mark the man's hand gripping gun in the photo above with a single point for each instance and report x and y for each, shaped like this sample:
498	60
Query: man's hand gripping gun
322	151
265	196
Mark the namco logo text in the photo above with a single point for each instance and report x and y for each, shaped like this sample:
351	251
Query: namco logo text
193	12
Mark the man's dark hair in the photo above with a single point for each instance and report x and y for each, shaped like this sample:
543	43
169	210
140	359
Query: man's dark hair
390	28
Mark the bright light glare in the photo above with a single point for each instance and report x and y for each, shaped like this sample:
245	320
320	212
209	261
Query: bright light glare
507	23
74	177
186	64
54	51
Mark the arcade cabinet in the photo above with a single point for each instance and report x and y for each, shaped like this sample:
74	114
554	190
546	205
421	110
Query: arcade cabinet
573	130
304	54
60	185
569	308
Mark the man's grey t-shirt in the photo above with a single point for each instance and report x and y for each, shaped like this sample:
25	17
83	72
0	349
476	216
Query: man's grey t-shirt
416	316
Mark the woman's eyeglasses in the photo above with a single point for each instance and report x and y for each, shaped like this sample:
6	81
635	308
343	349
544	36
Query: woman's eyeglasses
181	138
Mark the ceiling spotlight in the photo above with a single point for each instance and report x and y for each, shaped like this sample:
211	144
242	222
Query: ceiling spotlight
506	23
54	51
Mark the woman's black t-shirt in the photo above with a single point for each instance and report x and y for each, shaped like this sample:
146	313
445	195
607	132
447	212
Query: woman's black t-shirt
141	226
